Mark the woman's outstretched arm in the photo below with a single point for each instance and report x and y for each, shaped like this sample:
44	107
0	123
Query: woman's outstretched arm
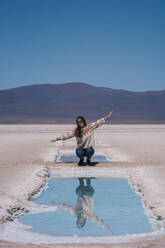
66	136
101	121
65	207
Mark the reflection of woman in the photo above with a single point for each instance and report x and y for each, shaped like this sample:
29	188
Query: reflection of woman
84	134
84	206
85	201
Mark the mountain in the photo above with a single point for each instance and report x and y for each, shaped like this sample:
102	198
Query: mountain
62	103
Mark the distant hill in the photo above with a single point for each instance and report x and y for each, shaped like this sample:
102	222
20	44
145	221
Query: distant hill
62	103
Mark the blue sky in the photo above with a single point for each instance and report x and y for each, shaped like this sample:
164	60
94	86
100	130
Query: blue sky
112	43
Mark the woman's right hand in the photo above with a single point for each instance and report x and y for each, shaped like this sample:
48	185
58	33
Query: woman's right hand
110	113
54	140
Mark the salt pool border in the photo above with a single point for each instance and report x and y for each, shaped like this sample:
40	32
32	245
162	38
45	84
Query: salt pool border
18	230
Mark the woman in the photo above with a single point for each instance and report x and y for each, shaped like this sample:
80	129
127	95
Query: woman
84	134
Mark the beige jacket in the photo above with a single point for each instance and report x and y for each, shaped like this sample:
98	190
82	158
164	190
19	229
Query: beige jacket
87	139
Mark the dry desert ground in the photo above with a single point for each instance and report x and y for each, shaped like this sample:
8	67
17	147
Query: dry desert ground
28	157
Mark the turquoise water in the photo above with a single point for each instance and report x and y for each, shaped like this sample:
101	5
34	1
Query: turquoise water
89	207
72	158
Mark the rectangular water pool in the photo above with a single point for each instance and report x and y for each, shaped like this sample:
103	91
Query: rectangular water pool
89	207
72	159
69	156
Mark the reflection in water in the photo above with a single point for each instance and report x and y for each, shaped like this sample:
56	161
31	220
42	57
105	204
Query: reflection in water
85	201
84	206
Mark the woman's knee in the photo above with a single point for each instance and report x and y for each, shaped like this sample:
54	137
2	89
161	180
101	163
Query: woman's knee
89	151
79	152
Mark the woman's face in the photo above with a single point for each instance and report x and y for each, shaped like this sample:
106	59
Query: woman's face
80	221
80	122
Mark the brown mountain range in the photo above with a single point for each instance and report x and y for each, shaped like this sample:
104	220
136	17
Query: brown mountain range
62	103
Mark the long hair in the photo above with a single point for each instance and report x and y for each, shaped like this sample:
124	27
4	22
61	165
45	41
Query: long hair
79	129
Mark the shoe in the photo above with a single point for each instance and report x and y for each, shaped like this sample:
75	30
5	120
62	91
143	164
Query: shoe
88	161
80	163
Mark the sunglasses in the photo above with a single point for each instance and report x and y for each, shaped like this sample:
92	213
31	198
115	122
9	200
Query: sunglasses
79	121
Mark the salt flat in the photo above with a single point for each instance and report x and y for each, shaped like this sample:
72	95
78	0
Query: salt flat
27	157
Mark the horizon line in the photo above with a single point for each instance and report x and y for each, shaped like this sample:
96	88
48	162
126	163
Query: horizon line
89	84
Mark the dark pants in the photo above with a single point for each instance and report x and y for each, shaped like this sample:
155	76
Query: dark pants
87	152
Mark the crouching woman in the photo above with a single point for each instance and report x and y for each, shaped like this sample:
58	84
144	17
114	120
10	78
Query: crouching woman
84	134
